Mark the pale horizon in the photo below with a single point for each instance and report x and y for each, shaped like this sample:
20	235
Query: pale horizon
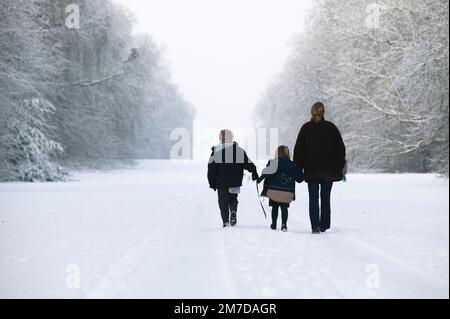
222	55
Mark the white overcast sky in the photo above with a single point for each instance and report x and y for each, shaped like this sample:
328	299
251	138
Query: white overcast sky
222	53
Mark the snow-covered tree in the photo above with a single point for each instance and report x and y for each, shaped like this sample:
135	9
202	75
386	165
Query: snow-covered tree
28	151
382	70
106	94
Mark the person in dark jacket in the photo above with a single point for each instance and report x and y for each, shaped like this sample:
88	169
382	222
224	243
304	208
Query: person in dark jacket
280	177
225	173
320	151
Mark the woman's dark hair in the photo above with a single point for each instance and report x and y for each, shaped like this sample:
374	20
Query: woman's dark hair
318	112
282	152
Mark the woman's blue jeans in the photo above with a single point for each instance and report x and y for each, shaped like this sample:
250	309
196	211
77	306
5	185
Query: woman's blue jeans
320	216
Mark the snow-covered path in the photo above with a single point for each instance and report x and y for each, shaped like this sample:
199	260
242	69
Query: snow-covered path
154	232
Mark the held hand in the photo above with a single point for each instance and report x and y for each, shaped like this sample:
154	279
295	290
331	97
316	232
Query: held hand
255	176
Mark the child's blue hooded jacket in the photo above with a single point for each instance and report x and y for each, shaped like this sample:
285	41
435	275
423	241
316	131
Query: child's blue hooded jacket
281	175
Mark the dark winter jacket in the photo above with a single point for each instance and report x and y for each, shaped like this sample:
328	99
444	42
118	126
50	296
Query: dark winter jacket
320	151
281	175
226	166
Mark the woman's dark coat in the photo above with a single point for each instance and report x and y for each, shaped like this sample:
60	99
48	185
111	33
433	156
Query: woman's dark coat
320	151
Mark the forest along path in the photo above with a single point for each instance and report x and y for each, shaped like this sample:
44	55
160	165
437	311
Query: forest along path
154	231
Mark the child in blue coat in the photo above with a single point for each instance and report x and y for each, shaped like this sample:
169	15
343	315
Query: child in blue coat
280	177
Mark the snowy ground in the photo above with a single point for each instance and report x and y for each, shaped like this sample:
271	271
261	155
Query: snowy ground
154	232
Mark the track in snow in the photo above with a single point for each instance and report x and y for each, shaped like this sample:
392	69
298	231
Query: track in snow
154	232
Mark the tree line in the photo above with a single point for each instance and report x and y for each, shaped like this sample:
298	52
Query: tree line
87	96
382	70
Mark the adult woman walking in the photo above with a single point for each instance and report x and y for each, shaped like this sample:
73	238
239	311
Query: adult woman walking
320	151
